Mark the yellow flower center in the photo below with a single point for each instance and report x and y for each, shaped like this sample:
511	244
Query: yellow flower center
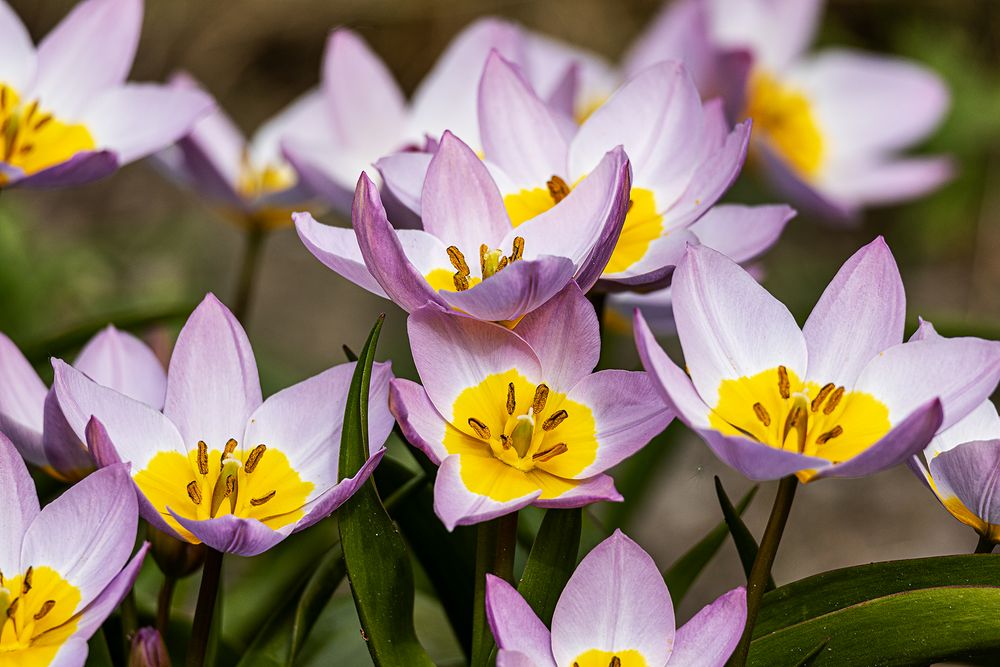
36	616
643	222
776	408
33	140
527	427
491	262
255	182
784	118
256	484
598	658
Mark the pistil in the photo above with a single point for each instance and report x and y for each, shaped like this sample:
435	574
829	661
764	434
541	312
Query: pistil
521	435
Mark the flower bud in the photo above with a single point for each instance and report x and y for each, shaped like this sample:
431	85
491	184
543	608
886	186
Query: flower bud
148	649
176	558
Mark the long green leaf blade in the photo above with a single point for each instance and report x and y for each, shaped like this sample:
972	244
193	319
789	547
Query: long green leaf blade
551	561
744	540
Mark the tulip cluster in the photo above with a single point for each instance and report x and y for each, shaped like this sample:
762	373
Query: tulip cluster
527	193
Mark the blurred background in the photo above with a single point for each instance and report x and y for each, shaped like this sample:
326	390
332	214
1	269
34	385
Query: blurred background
135	245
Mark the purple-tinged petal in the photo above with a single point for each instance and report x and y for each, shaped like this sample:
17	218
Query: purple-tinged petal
66	455
72	653
887	181
90	51
94	614
234	535
900	444
383	253
22	400
596	489
680	31
805	196
742	233
326	504
453	352
615	600
962	372
323	168
656	267
730	326
422	425
212	382
711	636
757	461
460	203
551	65
519	132
338	249
982	423
565	335
777	31
17	53
456	505
515	625
83	167
305	117
515	659
862	312
970	472
18	505
628	413
87	533
404	173
136	120
520	288
120	361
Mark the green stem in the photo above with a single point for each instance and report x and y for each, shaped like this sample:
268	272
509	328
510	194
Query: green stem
761	570
163	604
248	270
985	545
205	611
496	541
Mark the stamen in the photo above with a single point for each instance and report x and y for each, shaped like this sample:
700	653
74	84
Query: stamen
615	661
557	418
461	282
628	208
28	576
518	249
43	121
511	402
257	502
830	435
762	414
194	492
558	189
784	386
12	609
541	396
502	264
202	457
483	250
504	441
228	450
46	608
550	453
834	400
821	396
481	429
458	260
253	460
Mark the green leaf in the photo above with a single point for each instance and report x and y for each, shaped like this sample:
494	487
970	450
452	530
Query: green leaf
682	574
910	612
551	561
745	543
378	565
99	655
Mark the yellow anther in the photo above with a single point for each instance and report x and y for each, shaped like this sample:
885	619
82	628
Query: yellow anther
511	400
458	260
558	189
504	441
253	460
483	252
194	492
817	402
554	420
202	457
541	397
461	282
45	609
481	429
550	453
784	385
257	502
502	264
518	249
829	435
762	414
831	405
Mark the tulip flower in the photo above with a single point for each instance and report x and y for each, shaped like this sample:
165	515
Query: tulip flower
30	414
148	649
469	256
841	397
65	568
828	127
67	115
683	157
249	180
219	465
615	610
517	418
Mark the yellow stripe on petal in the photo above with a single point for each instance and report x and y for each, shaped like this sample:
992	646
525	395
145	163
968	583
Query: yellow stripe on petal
526	204
37	610
596	657
784	118
489	477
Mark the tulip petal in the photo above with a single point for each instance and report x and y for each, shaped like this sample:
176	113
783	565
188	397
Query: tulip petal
404	175
17	53
234	535
515	625
711	636
515	659
596	489
83	167
338	249
969	472
806	196
456	505
333	498
862	312
18	505
212	383
94	615
422	425
72	653
520	288
615	600
742	233
777	31
887	181
66	454
22	400
982	423
120	361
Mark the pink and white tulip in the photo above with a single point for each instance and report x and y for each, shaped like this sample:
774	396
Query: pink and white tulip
841	397
517	418
615	610
220	465
64	568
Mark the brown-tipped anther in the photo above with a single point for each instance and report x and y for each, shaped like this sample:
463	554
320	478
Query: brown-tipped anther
461	282
511	400
483	250
202	457
615	661
784	385
46	608
43	121
458	260
817	402
231	493
557	189
12	609
830	435
26	584
541	396
481	429
228	450
792	421
518	249
831	405
762	414
502	264
194	492
628	207
554	420
253	460
550	453
257	502
504	441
